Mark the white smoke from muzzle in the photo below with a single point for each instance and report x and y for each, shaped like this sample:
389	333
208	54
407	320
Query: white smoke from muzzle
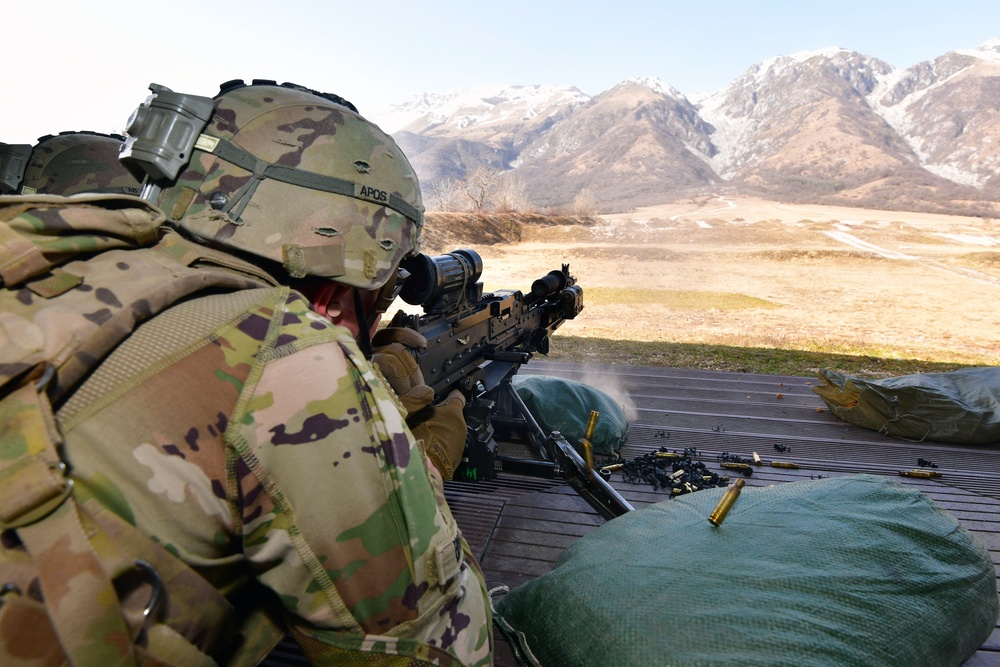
611	385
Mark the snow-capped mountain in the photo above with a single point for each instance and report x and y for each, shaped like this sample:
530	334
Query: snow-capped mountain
797	108
828	125
947	111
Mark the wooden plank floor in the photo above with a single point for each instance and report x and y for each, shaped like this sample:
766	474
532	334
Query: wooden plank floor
519	526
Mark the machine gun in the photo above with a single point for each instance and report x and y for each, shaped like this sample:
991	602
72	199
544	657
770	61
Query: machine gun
476	343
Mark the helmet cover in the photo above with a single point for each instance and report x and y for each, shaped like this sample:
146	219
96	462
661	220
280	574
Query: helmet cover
293	176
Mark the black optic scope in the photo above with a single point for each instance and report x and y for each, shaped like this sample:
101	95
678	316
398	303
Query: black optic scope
441	283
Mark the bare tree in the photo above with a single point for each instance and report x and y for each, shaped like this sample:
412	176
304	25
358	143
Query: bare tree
446	195
491	188
584	204
511	194
480	187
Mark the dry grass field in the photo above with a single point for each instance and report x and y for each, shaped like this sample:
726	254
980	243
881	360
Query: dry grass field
758	274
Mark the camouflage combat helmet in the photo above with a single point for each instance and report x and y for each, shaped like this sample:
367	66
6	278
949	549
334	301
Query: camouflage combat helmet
72	162
287	174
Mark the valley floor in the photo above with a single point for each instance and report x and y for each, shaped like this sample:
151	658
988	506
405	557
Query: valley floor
751	273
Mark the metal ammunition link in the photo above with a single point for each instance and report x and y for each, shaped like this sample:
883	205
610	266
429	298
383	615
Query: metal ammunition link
668	470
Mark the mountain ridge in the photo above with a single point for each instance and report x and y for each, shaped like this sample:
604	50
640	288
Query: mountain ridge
827	125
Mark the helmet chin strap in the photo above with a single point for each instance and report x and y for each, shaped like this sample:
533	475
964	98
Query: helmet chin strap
364	335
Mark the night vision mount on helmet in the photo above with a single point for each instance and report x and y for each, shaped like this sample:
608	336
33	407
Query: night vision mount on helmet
281	172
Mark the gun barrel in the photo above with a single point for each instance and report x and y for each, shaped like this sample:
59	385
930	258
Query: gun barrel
510	357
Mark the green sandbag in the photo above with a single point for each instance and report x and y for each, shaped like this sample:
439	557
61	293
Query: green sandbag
565	405
857	570
960	406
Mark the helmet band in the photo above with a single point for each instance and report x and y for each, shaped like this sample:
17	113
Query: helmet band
261	169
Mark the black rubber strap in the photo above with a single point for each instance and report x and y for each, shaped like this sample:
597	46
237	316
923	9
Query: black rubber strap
364	336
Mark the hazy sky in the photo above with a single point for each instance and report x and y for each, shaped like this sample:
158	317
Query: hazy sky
85	65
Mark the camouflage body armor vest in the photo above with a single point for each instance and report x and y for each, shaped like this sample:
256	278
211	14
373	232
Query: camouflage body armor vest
79	584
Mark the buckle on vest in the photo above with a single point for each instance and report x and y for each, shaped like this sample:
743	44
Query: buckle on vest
31	490
9	588
158	592
33	481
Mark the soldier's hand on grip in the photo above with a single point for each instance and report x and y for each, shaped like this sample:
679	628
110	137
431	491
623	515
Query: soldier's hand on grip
405	335
440	427
443	433
392	356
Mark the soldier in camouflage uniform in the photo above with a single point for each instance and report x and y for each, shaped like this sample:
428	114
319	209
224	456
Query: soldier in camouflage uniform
68	163
242	430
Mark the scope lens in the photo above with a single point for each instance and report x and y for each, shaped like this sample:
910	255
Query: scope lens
432	278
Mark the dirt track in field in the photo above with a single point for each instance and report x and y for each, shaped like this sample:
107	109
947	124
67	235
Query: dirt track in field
838	279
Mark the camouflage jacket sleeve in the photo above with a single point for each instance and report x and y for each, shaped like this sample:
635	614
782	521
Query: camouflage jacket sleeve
310	478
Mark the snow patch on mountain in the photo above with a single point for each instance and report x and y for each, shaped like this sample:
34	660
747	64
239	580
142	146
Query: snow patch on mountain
474	106
730	133
779	66
988	50
926	79
658	86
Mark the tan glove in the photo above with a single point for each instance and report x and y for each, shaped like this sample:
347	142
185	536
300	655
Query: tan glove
404	335
443	434
399	368
441	427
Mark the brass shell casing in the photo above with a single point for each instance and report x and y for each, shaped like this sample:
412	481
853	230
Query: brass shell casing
922	474
588	449
718	515
591	424
588	455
